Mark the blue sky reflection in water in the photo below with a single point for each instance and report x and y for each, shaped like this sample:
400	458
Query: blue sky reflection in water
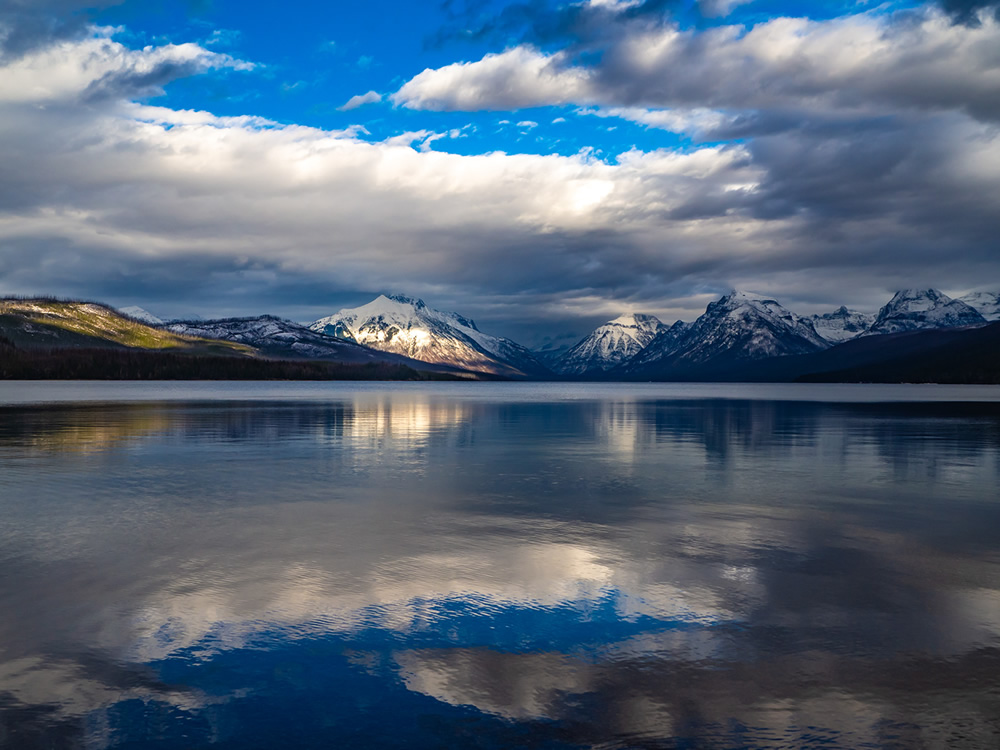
420	569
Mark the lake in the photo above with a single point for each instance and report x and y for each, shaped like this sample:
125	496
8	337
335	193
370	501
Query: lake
493	565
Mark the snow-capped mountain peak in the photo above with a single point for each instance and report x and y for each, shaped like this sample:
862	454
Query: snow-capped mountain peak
403	300
916	309
388	305
842	324
737	304
610	344
756	311
406	325
741	295
737	327
633	320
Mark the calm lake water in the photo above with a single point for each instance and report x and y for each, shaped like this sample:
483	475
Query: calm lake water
498	566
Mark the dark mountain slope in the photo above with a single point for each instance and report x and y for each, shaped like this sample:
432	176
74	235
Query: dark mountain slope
945	356
74	363
965	355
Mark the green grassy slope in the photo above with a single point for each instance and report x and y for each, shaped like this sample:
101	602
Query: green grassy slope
56	324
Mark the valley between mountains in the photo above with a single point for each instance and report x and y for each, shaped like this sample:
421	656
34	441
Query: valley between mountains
917	336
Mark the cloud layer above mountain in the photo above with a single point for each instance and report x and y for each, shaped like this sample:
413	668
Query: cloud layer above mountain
823	161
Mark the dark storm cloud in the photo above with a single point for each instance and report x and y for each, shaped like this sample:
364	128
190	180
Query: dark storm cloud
915	174
541	22
967	11
26	25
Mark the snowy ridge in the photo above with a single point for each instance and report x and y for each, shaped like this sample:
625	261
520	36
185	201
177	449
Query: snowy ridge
143	316
278	338
666	343
404	325
986	304
740	326
610	344
917	309
842	324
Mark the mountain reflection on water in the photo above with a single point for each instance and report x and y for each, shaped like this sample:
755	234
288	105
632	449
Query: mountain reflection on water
406	569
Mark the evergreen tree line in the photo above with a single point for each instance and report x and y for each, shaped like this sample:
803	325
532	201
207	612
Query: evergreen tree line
139	364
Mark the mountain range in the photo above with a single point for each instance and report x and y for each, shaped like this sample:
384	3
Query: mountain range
741	336
47	338
740	326
277	338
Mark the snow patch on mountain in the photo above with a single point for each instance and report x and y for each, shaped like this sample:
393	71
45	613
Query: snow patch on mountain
986	304
143	316
276	337
917	309
842	324
407	326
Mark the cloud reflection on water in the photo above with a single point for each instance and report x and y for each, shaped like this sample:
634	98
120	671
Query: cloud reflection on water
624	569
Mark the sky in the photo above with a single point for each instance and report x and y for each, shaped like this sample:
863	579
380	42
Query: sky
537	165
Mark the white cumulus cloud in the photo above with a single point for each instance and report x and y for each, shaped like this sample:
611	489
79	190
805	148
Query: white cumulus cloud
360	100
520	77
100	67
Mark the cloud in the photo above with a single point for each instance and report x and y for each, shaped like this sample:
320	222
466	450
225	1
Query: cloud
698	121
26	25
359	100
694	624
540	22
223	38
100	68
720	8
863	62
970	11
117	200
614	5
514	79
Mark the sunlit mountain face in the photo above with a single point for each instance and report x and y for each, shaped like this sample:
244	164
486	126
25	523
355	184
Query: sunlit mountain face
514	566
406	326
